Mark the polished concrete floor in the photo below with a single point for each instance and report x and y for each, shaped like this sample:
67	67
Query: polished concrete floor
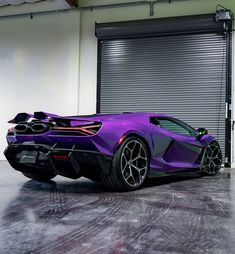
175	214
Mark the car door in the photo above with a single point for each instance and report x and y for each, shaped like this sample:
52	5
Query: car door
176	142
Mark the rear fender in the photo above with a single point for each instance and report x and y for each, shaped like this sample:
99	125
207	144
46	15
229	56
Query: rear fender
133	133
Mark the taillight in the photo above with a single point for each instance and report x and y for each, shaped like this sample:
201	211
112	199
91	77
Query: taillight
11	130
60	157
86	129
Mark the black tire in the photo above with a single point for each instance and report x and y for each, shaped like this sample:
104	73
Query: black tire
130	166
40	177
212	160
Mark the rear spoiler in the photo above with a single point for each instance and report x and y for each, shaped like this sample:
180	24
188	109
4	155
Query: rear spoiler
40	115
24	117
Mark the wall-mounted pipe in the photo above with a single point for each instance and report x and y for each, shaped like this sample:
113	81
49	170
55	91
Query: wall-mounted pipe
151	8
151	5
118	5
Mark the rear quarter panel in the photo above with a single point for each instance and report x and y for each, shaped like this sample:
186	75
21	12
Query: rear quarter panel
111	131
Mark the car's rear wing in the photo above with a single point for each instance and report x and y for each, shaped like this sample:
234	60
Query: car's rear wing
20	117
57	124
24	117
46	117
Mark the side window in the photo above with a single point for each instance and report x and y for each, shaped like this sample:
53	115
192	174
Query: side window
174	127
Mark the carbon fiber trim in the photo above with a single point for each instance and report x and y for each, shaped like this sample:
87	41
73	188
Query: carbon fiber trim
68	162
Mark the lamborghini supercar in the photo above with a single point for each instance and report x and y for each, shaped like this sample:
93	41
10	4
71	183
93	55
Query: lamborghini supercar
120	150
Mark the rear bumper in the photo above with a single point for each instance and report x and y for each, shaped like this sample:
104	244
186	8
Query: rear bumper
68	162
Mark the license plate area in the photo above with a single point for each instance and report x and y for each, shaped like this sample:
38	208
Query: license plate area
28	157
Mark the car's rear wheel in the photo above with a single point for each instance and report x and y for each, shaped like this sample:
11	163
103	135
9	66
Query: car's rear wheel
130	166
212	160
40	177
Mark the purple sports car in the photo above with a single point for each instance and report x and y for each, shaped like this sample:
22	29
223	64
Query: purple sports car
120	150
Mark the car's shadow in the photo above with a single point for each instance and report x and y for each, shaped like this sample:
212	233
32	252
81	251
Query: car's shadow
56	199
84	185
167	179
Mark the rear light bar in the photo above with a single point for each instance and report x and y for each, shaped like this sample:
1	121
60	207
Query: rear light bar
41	127
88	129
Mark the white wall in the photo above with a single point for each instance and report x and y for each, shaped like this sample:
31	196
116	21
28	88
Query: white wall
88	43
38	66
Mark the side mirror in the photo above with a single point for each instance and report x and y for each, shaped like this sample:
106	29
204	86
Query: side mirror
201	132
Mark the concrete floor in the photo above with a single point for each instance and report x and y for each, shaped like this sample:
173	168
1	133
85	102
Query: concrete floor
175	214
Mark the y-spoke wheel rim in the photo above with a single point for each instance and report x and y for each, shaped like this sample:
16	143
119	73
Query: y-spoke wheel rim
212	159
134	163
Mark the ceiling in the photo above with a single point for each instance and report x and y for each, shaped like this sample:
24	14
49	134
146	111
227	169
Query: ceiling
17	2
3	3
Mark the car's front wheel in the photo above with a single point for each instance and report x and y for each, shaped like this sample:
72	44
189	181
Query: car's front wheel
212	160
130	166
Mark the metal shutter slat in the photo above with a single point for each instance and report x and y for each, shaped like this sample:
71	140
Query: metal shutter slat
184	76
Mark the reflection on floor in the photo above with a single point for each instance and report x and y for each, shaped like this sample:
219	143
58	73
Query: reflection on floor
175	214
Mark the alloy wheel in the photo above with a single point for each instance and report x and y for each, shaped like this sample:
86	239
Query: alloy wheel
134	163
212	159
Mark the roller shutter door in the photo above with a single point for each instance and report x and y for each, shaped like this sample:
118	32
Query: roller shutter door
181	74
